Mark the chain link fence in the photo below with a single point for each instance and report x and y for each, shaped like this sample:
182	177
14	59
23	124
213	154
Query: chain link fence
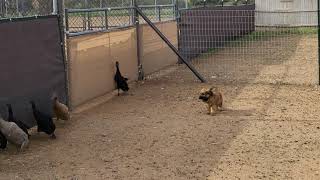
25	8
89	4
97	19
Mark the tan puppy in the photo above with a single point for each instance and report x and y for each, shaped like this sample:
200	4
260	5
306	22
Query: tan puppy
213	97
60	110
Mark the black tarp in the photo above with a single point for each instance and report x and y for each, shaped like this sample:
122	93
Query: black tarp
32	66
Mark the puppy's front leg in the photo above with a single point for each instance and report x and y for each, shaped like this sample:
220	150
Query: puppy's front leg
209	109
214	109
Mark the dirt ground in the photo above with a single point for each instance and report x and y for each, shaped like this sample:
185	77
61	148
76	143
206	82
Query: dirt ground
269	130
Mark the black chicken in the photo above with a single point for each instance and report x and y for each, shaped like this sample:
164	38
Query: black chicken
120	80
44	121
11	118
3	141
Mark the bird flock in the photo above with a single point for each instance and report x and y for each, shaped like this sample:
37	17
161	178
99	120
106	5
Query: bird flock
16	132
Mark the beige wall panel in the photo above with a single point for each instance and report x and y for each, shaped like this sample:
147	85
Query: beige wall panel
155	54
124	49
92	60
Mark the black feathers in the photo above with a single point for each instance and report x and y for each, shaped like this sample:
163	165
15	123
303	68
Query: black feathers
44	121
120	80
3	141
11	118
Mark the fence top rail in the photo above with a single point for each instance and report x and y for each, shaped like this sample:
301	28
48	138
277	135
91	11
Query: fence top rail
116	8
73	34
154	6
96	9
26	18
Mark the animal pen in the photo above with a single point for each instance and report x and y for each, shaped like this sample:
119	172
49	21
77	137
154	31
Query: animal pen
70	48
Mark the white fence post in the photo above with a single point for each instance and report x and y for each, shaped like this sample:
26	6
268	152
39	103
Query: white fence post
54	7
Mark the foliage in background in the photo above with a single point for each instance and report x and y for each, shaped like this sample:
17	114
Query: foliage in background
23	8
195	3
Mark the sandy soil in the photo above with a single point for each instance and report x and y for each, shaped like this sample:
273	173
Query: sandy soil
270	130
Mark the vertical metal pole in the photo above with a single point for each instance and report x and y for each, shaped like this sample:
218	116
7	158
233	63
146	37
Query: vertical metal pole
177	14
85	21
106	19
2	7
6	6
155	7
89	21
17	7
63	25
132	12
174	8
140	68
319	39
66	15
54	6
159	13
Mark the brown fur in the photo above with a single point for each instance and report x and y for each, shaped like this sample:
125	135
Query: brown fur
60	110
213	97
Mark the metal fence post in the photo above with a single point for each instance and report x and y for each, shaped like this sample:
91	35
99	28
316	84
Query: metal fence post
106	19
159	13
63	27
177	18
54	7
140	68
66	17
319	39
89	21
132	11
174	10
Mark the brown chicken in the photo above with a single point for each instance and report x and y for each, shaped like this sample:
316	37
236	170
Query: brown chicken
60	110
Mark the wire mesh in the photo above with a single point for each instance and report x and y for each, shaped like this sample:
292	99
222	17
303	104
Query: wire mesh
87	4
99	19
91	20
25	8
241	45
